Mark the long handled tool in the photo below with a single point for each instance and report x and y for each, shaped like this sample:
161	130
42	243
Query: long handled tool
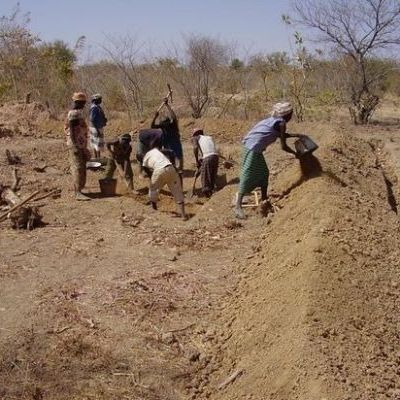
168	96
191	192
122	174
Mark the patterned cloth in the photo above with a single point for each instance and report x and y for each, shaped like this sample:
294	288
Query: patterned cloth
209	171
254	172
96	138
78	135
78	158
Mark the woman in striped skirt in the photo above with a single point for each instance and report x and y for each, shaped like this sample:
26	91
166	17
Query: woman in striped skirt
254	172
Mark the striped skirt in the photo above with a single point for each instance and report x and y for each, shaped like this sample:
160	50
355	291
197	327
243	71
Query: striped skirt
254	172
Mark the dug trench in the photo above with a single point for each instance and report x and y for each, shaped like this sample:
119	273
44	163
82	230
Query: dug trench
113	300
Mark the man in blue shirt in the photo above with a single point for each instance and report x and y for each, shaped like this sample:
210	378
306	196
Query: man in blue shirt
97	122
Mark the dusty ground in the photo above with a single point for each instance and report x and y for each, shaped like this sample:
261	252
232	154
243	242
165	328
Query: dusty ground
111	300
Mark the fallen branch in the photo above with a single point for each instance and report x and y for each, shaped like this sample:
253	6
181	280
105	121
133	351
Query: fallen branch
230	379
4	216
181	329
53	192
12	159
16	180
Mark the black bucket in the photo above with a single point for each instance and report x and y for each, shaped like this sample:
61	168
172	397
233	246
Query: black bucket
305	145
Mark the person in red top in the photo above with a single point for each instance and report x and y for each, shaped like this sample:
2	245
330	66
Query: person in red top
76	130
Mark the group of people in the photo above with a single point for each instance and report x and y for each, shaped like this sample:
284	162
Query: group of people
160	155
159	151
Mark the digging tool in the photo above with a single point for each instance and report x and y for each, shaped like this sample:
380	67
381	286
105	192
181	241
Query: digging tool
168	96
191	192
122	174
170	92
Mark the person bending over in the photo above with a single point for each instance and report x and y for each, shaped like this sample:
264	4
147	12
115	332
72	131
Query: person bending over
254	170
207	159
119	158
161	172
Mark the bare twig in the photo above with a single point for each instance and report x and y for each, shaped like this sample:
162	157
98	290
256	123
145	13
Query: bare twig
53	192
230	379
16	180
181	329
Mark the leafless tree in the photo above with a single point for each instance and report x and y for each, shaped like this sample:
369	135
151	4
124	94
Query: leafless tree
194	73
358	30
125	53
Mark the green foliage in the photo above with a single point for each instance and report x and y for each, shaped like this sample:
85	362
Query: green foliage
237	64
60	56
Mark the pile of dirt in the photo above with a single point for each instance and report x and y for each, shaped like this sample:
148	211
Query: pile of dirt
22	118
316	313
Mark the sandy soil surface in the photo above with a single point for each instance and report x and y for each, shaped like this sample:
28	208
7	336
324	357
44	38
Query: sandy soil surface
112	300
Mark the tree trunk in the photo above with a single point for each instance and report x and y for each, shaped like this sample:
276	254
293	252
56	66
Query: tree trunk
363	108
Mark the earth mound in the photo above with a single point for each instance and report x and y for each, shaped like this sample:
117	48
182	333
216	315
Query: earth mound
316	313
23	118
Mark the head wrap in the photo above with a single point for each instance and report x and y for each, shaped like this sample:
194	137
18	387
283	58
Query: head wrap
79	96
197	131
282	109
126	137
97	96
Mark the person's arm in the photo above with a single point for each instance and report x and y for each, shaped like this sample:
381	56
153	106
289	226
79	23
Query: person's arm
148	171
73	125
104	118
283	137
127	160
110	148
172	114
196	148
153	123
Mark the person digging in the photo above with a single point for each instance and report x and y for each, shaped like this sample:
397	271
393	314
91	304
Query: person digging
147	139
161	171
119	158
207	160
76	130
171	138
254	170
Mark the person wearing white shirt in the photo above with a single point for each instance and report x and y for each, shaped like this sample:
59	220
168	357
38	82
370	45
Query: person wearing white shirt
207	160
162	172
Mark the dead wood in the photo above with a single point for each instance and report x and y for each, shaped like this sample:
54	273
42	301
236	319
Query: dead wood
12	158
16	181
10	197
230	379
55	194
21	217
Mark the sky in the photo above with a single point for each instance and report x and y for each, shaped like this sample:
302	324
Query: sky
253	25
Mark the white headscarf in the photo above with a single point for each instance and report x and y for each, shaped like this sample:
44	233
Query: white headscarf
282	109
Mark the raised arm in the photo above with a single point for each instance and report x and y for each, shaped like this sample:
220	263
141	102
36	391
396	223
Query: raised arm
153	123
196	148
171	111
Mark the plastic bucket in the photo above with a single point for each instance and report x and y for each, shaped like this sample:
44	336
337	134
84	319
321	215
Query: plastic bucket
108	186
